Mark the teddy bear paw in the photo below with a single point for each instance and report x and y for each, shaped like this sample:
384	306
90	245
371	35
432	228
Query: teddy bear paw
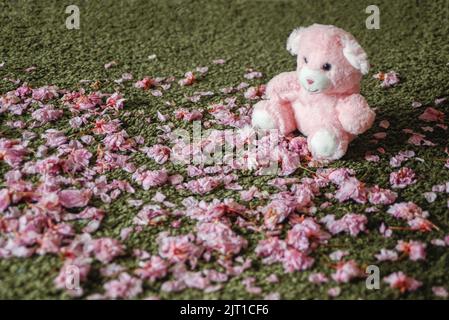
263	120
323	145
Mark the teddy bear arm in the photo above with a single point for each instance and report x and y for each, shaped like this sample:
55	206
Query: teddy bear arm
355	115
283	86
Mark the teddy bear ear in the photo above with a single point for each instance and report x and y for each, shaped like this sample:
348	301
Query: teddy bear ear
355	54
293	41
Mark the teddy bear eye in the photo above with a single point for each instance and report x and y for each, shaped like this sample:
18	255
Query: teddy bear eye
326	67
305	60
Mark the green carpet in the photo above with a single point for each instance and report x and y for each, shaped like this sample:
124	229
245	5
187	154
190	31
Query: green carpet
412	40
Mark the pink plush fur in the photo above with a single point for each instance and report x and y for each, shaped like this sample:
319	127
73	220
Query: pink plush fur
321	98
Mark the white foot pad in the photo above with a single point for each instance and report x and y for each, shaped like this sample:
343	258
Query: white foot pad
263	120
323	144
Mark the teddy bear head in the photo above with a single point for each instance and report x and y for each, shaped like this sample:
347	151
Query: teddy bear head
329	59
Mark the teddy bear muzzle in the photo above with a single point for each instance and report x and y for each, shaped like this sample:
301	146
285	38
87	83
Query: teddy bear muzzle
313	81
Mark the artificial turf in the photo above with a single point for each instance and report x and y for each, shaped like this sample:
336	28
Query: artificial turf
412	40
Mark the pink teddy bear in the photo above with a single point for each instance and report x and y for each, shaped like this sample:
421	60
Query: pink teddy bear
321	98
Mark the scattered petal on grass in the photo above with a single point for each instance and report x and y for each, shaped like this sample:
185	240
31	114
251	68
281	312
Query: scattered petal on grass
432	115
430	196
387	255
416	250
401	282
402	178
388	79
440	292
124	287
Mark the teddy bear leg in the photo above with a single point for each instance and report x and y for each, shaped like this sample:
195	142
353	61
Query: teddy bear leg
274	114
327	145
261	117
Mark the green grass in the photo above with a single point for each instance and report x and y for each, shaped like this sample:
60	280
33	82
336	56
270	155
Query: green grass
412	40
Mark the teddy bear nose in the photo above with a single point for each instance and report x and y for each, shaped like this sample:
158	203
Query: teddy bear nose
310	81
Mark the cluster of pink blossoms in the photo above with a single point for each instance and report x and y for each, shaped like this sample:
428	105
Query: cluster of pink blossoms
402	178
346	271
350	223
413	214
402	282
219	237
293	252
276	250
